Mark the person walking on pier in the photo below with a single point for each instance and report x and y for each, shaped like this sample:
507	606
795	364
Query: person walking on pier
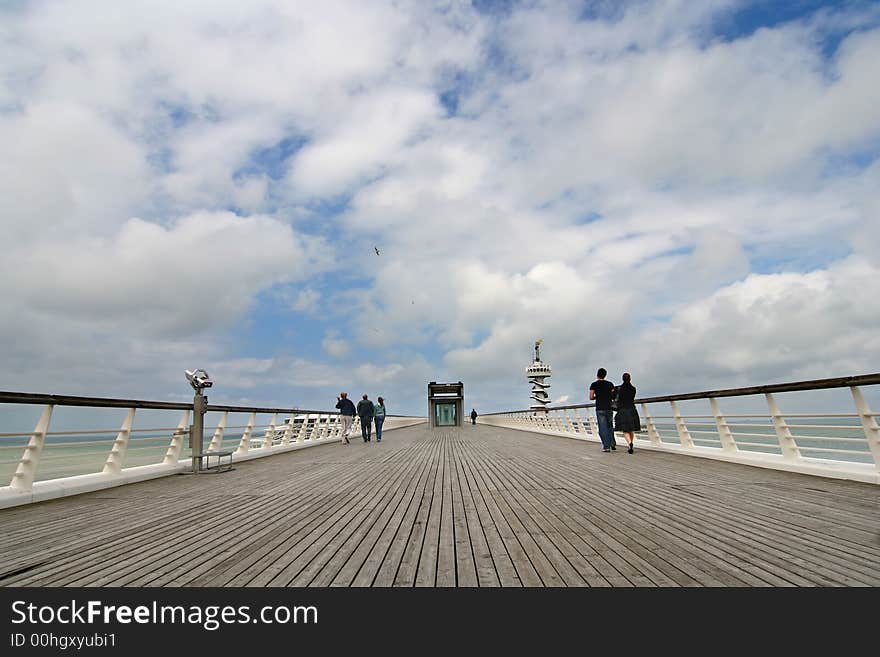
602	390
365	411
473	416
346	414
379	417
627	420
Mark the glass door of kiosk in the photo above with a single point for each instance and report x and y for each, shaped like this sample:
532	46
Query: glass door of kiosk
444	415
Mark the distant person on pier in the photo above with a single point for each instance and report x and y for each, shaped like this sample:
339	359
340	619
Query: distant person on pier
473	416
346	413
366	411
379	417
627	420
601	391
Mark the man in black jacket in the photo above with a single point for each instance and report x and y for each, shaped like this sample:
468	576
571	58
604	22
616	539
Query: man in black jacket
365	412
346	414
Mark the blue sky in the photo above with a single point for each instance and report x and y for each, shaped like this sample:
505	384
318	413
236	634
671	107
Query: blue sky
659	187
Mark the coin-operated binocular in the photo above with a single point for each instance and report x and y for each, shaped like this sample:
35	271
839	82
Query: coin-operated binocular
199	380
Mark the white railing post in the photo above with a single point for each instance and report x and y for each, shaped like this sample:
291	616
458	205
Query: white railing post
217	438
869	425
320	427
23	479
564	421
580	423
288	431
172	454
653	434
301	434
116	458
783	434
594	425
684	435
270	431
245	442
728	442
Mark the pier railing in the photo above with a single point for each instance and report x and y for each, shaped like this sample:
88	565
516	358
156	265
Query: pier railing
48	461
842	444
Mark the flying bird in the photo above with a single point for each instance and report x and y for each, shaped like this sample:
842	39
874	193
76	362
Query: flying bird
376	249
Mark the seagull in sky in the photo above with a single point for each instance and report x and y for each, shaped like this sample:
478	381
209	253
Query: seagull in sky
376	249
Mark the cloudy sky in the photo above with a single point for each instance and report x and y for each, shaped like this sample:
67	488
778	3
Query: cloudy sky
686	190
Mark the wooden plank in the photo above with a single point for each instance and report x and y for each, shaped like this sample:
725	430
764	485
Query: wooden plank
348	543
361	568
426	570
388	568
446	548
497	507
320	544
407	568
609	550
525	570
465	561
481	554
500	557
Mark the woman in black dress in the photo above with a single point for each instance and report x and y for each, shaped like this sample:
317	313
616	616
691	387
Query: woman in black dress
627	420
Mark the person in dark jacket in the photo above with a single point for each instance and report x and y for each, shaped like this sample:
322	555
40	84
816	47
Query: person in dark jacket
346	414
601	391
473	416
627	420
366	411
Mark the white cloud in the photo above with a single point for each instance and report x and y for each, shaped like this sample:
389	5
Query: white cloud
630	189
201	273
371	129
335	346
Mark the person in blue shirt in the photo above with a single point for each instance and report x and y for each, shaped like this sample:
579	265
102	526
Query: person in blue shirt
379	417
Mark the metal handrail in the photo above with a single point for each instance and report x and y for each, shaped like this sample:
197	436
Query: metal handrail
78	469
794	386
785	444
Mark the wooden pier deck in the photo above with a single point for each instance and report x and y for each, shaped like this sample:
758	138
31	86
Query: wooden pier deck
475	506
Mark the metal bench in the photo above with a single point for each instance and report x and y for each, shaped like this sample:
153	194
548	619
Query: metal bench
220	466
